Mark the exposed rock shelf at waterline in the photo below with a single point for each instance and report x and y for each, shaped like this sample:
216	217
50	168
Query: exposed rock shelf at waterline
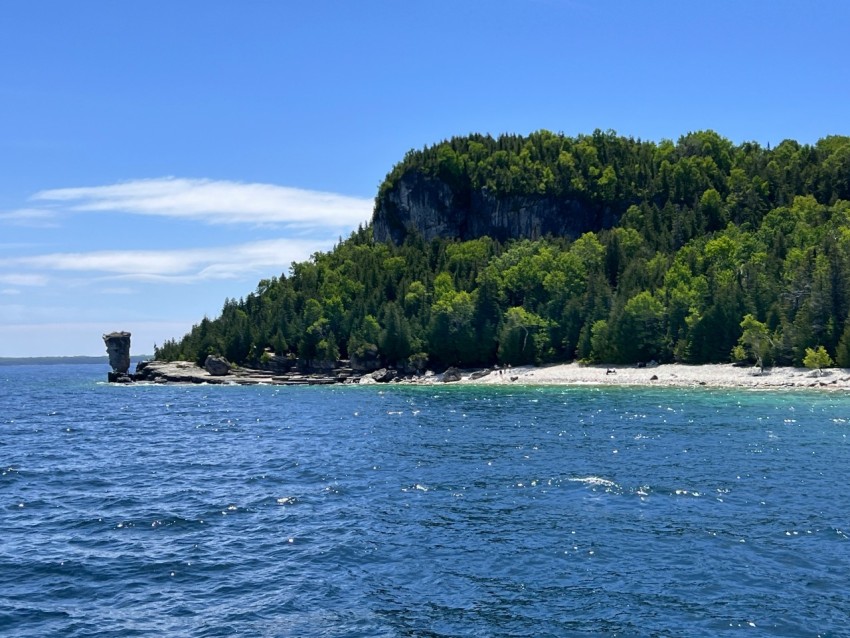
187	372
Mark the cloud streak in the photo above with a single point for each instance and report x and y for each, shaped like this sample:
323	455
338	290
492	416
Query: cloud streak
215	202
30	217
172	266
22	279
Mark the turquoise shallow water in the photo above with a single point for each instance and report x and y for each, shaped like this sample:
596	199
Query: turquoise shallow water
419	511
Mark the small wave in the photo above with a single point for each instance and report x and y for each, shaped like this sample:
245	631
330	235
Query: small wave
680	492
173	522
594	481
416	487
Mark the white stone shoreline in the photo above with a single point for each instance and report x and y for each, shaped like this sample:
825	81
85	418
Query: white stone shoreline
568	374
668	375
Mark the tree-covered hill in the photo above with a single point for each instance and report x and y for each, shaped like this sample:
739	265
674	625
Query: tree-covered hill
549	248
477	185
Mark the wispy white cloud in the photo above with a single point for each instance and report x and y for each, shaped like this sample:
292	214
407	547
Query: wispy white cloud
216	202
20	245
30	217
71	278
174	266
23	279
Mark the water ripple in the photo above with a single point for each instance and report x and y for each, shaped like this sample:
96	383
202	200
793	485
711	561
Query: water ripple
219	511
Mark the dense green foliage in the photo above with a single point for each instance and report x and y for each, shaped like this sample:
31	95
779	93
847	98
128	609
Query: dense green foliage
817	358
720	251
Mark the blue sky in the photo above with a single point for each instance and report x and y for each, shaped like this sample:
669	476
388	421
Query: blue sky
158	157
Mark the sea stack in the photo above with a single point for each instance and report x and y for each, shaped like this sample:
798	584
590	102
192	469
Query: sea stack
118	349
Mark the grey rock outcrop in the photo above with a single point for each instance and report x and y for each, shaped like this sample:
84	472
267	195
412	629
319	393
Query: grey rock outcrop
384	375
118	349
216	366
367	360
317	365
189	372
451	375
426	205
416	363
280	364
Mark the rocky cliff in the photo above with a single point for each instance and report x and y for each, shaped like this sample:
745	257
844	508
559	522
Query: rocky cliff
427	205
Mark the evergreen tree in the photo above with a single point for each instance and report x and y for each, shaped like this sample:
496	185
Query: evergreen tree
395	340
842	351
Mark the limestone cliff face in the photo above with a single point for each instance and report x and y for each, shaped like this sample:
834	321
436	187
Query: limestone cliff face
416	203
426	205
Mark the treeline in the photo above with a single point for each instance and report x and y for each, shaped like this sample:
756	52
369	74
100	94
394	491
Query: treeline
678	191
709	233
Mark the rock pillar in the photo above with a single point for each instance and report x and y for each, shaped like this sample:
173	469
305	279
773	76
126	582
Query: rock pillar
118	349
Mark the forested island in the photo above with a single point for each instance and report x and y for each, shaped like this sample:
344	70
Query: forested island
550	248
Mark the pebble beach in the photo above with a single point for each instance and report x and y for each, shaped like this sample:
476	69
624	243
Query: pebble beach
673	374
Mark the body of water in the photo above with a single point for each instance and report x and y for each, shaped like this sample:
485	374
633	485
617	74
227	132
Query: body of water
419	511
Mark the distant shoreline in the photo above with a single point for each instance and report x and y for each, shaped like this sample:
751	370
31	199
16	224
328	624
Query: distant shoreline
24	361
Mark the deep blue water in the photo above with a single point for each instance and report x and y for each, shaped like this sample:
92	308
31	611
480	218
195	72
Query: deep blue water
419	511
